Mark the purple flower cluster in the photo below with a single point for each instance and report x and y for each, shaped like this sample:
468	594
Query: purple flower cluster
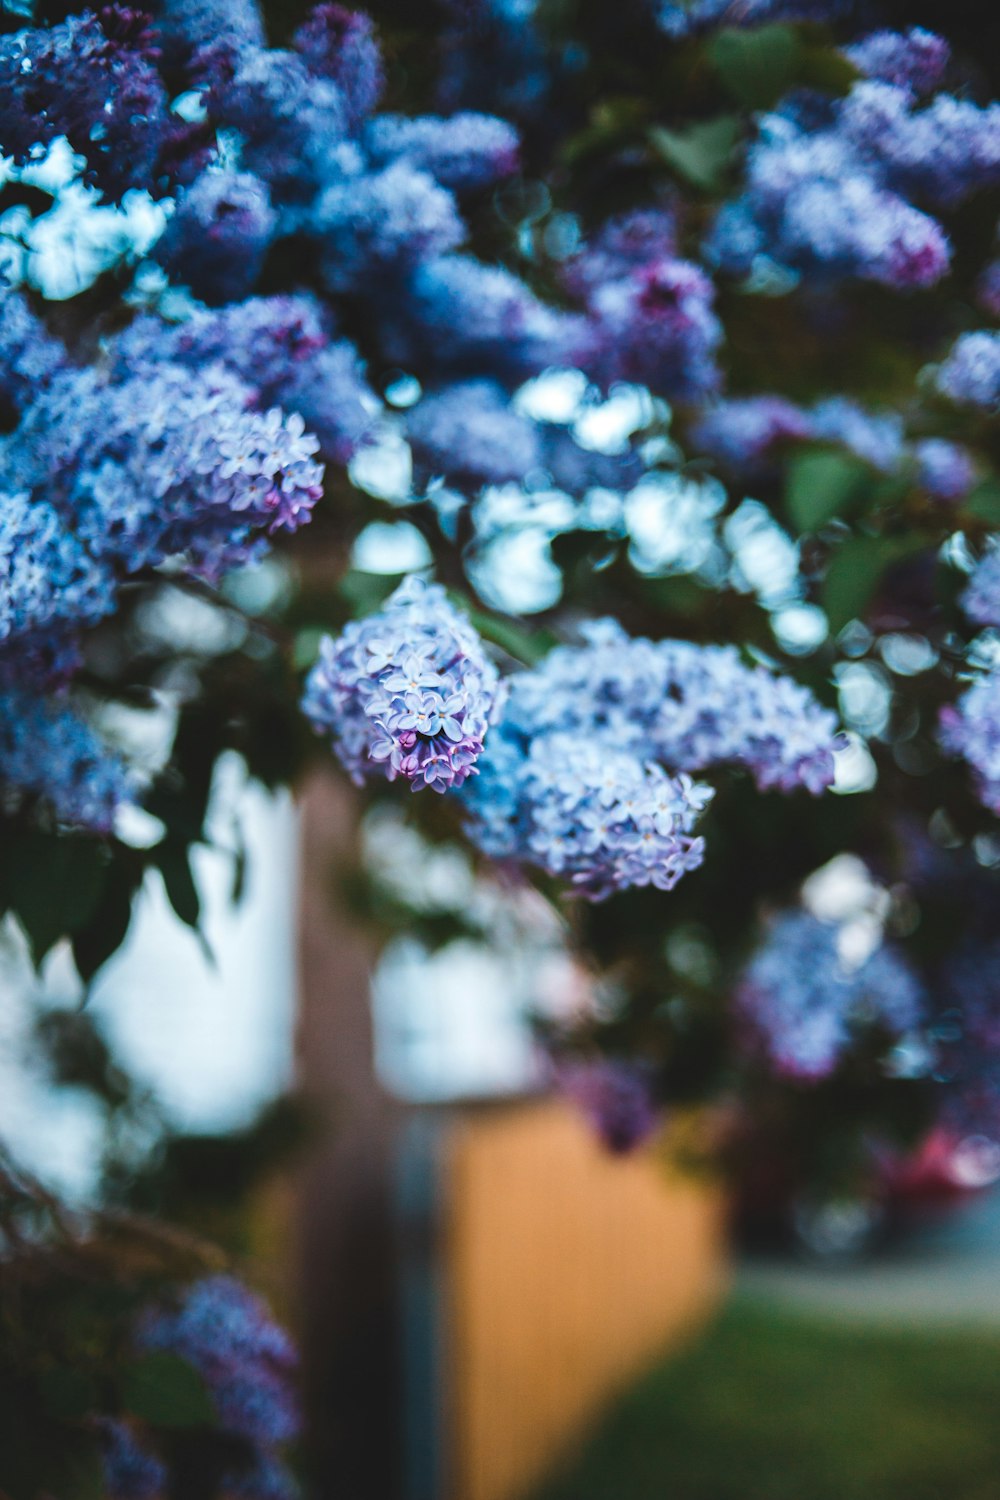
967	1038
93	79
970	376
981	598
462	152
747	436
406	692
48	751
615	1095
852	188
130	1471
805	1008
690	17
971	729
248	1367
586	771
687	706
916	59
650	315
586	809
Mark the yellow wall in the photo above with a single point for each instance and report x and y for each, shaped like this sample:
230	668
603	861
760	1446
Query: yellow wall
567	1271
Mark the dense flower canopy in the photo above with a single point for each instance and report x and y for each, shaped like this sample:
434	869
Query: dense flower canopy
594	408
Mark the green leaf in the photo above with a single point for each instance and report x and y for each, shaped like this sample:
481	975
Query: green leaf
855	571
58	886
825	68
104	934
757	66
823	485
163	1389
174	863
528	646
984	502
701	153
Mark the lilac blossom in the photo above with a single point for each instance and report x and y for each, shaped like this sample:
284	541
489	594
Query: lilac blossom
690	17
29	355
940	153
48	751
92	79
392	219
218	237
650	315
339	44
988	289
875	437
688	706
586	770
945	469
470	433
405	692
970	375
981	599
131	1472
967	1037
464	151
168	462
247	1364
742	432
971	729
246	1361
460	314
615	1095
587	810
811	206
914	59
805	1007
191	25
46	574
284	347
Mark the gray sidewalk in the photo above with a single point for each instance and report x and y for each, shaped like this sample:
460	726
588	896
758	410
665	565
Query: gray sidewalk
947	1272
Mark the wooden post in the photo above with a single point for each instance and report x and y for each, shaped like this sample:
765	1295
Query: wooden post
349	1293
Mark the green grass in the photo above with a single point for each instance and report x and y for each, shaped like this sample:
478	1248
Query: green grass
773	1405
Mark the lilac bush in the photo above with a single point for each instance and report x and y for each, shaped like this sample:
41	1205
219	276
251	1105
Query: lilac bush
658	339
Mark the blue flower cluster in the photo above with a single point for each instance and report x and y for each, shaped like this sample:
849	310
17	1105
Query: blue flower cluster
981	597
852	188
970	375
48	751
687	706
586	771
113	470
406	692
131	1472
805	1008
94	79
615	1095
248	1366
967	1037
650	314
749	435
971	728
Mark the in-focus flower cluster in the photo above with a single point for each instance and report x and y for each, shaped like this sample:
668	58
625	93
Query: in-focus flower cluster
586	772
804	1007
407	692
